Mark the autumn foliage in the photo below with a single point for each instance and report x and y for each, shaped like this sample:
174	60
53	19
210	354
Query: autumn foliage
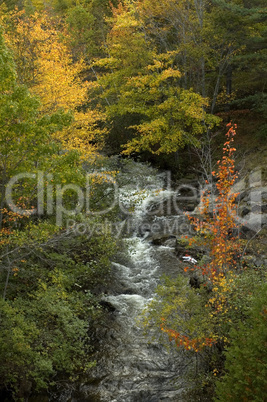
215	230
218	222
45	64
196	344
147	77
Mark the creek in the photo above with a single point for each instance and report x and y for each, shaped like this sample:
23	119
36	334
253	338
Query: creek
132	367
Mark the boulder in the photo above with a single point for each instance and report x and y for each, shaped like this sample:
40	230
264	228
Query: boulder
162	239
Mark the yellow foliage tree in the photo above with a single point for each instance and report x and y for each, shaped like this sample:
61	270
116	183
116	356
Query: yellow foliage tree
45	65
144	87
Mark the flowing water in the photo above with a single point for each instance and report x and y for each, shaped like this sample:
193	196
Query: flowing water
131	367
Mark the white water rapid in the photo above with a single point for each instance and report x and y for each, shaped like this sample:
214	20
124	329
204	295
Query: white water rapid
131	367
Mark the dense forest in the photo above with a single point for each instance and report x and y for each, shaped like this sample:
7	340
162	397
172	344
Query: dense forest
85	87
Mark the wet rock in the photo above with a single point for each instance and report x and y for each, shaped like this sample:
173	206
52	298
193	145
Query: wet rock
182	248
190	206
256	209
242	196
260	193
259	208
254	261
259	262
162	239
244	210
171	242
107	306
129	291
254	222
168	262
165	227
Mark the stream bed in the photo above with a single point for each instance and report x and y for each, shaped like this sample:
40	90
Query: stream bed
131	367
